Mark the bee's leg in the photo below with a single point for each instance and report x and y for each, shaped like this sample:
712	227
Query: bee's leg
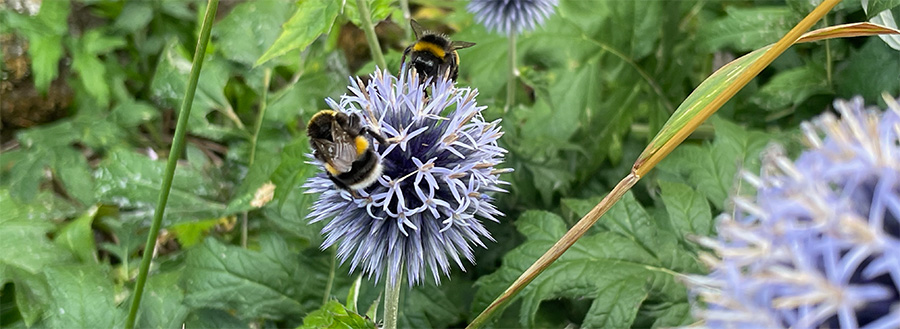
381	140
356	195
403	58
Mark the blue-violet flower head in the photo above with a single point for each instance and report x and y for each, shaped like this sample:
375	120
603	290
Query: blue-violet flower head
511	16
820	244
426	210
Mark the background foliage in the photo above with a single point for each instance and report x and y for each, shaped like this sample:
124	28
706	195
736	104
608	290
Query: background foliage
89	99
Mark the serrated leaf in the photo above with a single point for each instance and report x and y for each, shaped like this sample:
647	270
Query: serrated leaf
162	306
712	167
792	87
618	269
251	28
191	233
311	19
132	182
78	237
378	9
82	297
333	315
256	284
45	35
170	82
426	306
746	28
860	77
72	169
877	6
290	174
688	210
24	230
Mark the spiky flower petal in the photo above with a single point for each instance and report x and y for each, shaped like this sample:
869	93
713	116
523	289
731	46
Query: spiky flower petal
426	210
511	16
820	244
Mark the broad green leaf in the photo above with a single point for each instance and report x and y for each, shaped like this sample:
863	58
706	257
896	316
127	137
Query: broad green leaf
131	114
135	15
688	210
82	297
288	178
26	175
24	228
91	70
45	32
72	169
78	237
32	294
877	6
210	318
256	284
257	175
162	305
747	28
616	270
333	315
311	19
191	233
427	306
860	77
132	181
250	28
712	167
170	82
792	87
379	10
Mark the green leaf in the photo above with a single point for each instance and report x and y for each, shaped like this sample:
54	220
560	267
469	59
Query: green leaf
333	315
191	233
688	210
210	318
791	87
379	10
24	229
747	29
91	70
427	306
82	297
134	16
250	28
132	181
290	174
78	237
170	82
877	6
163	304
618	269
860	77
311	19
45	35
130	114
713	167
257	175
256	284
72	169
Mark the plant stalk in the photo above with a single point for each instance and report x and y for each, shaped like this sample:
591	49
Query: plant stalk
392	300
407	15
365	17
267	76
176	149
513	73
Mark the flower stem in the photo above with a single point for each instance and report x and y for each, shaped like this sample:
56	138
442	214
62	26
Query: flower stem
174	151
366	18
267	76
407	15
392	300
513	73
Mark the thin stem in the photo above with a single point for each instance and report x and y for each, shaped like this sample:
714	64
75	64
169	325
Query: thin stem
267	76
652	83
512	74
392	300
330	282
366	18
828	63
407	15
174	151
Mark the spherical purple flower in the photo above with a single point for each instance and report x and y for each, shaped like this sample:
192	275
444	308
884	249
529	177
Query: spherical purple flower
511	16
426	209
820	244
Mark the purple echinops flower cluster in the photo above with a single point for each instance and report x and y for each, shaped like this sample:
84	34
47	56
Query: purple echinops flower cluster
820	244
425	211
511	16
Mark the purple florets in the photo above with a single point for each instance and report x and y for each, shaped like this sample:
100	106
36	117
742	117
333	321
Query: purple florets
820	244
426	209
511	16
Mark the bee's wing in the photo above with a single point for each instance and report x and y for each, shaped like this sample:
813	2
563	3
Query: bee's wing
460	44
344	151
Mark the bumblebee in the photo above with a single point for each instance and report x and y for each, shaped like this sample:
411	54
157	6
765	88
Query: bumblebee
433	54
342	143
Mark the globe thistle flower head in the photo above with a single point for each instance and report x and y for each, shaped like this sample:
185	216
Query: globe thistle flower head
511	16
820	244
426	210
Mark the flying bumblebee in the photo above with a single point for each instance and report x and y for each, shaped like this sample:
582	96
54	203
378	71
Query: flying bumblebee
342	143
433	54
